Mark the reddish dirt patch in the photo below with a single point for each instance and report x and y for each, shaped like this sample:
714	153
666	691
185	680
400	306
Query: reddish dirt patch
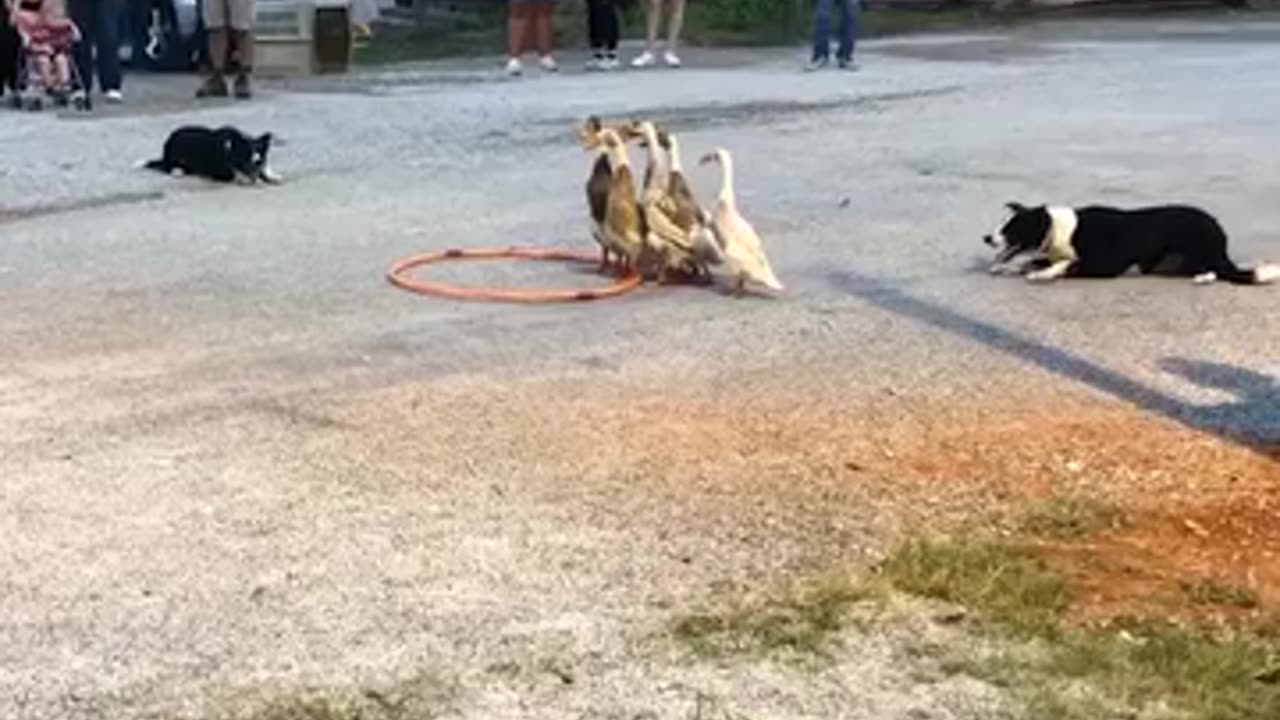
1200	537
1212	562
790	482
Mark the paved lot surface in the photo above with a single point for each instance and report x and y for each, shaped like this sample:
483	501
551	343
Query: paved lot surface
235	463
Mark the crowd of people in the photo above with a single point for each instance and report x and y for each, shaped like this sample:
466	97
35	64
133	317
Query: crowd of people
531	29
88	32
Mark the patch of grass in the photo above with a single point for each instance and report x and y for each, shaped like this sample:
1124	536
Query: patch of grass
393	46
1006	584
1212	592
1069	518
1088	672
1123	669
800	623
418	698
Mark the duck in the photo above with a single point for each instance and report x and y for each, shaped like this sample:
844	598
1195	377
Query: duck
689	214
737	241
597	185
622	231
675	231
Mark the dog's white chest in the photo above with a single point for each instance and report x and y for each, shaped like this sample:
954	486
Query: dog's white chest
1057	245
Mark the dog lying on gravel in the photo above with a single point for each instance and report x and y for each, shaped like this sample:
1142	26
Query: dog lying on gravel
223	154
1104	242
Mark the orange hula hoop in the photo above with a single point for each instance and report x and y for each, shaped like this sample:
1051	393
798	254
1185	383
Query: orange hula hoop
397	276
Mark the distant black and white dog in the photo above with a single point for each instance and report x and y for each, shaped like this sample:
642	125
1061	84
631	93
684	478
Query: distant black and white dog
223	154
1104	242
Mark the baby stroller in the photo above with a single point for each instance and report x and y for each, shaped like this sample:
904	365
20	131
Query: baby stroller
46	67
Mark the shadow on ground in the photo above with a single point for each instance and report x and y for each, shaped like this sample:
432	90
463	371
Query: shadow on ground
1250	421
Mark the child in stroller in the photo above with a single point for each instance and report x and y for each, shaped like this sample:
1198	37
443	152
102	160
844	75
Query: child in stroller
48	38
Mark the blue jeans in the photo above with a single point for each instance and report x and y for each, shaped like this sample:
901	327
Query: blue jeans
822	29
99	22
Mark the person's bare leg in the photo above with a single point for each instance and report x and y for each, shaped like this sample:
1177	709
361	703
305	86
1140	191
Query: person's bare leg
652	18
675	24
62	73
44	68
517	30
216	85
652	21
244	53
218	45
545	30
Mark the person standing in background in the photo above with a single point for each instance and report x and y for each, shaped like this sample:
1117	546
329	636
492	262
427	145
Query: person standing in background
226	21
525	18
603	29
822	35
99	46
653	18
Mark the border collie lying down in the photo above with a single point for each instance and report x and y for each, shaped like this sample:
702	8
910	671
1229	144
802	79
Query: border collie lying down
224	154
1104	242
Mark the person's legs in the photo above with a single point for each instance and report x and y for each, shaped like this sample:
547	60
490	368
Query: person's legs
44	68
215	24
675	23
821	32
652	17
62	72
107	45
517	28
519	24
82	14
240	21
596	10
611	28
544	27
848	31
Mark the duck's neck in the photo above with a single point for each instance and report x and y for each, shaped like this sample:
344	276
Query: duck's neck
659	171
617	157
727	196
673	155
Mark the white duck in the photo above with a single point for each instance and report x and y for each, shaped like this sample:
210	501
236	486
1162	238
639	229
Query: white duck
738	242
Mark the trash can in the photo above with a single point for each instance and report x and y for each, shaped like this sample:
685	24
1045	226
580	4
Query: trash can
332	33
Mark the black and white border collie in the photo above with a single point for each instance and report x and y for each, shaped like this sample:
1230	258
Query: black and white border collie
224	154
1104	242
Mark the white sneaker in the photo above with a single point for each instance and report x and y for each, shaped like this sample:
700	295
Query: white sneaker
671	59
643	60
515	67
114	96
596	63
548	64
610	63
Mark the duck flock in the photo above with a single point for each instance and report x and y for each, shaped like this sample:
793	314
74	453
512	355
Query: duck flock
660	230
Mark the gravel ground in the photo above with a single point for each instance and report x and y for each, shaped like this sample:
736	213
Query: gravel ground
235	462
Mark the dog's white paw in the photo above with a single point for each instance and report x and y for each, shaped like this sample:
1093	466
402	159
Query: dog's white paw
1042	276
1205	278
1265	274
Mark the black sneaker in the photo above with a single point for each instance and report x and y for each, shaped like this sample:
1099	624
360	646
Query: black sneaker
214	87
242	90
848	65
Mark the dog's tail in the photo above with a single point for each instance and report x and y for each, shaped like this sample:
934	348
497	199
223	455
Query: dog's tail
159	165
1260	275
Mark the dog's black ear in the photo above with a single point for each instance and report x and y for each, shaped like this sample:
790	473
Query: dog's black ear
1016	206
